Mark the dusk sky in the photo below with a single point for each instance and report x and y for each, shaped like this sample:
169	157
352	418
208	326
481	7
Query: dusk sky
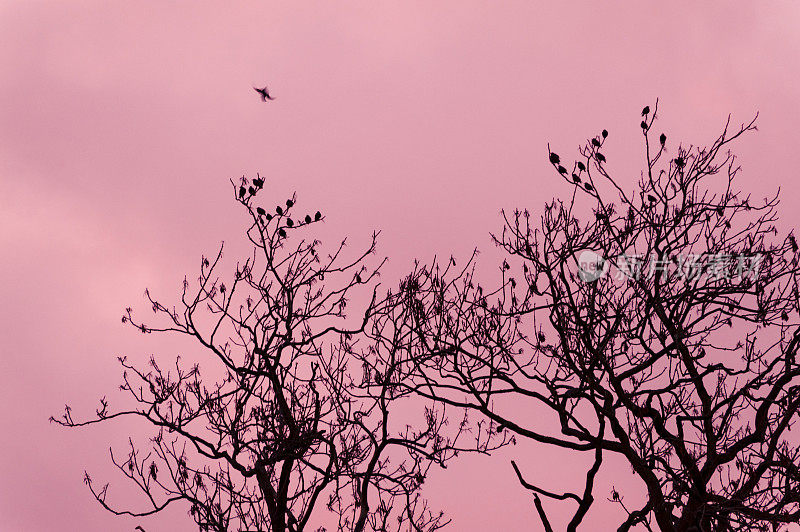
121	124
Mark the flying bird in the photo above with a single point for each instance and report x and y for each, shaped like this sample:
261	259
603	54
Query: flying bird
264	94
646	110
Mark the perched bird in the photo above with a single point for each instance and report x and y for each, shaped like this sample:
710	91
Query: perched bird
646	110
600	157
679	162
251	190
562	170
289	203
595	142
576	178
289	222
279	210
793	243
554	158
261	211
258	182
282	233
242	192
643	124
269	217
308	219
604	133
264	94
588	187
317	216
651	198
663	139
581	166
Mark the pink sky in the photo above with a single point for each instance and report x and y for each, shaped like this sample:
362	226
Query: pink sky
121	123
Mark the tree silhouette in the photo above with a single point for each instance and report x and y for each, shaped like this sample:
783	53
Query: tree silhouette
292	416
680	359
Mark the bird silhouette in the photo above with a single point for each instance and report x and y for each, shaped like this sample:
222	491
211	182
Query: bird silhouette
261	211
604	133
308	219
576	178
279	210
600	157
595	142
784	316
663	139
282	233
643	124
562	170
242	192
679	162
588	187
651	198
251	190
317	216
289	222
554	158
581	166
289	203
258	182
646	110
264	94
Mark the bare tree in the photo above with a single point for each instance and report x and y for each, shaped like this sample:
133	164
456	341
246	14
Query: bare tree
282	425
659	325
